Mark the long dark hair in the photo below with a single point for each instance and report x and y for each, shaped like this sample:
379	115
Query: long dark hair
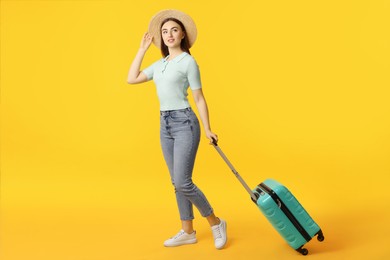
184	45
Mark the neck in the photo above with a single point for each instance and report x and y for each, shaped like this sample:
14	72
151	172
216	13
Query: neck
174	52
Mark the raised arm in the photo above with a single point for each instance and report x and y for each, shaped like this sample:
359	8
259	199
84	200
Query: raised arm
135	76
201	104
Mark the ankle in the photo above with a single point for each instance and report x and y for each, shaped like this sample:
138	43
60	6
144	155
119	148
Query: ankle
215	222
189	231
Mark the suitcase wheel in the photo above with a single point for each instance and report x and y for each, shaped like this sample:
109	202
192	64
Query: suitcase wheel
320	236
302	251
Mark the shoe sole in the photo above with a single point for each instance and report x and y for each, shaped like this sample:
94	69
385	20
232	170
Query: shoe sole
187	242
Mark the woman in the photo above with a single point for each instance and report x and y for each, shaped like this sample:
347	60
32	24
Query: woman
174	33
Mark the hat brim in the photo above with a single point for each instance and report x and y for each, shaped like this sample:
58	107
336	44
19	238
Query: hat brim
155	25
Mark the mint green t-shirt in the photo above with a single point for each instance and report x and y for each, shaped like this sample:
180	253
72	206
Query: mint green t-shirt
172	79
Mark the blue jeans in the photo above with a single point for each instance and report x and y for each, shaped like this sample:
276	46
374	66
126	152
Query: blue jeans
180	136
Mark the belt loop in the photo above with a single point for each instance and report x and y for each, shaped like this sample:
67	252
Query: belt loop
165	113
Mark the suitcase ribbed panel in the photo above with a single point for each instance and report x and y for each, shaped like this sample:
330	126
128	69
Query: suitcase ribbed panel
301	214
291	217
280	221
294	206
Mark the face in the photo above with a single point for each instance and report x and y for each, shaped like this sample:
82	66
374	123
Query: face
172	34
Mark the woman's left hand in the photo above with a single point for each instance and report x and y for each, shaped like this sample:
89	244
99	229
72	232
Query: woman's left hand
211	136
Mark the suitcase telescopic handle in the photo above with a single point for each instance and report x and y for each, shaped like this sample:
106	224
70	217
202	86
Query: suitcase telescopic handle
253	196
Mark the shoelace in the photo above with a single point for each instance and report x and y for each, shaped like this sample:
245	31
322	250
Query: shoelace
178	235
217	233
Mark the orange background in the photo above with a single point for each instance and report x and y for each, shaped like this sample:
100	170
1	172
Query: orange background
298	91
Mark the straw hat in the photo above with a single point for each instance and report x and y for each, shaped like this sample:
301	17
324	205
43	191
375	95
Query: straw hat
155	25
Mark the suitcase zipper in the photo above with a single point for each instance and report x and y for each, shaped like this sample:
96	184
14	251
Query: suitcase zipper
286	211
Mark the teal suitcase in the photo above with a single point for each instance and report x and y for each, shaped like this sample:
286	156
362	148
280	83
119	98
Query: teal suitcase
282	210
286	215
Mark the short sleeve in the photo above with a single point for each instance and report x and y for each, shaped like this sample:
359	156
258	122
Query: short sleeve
193	75
149	71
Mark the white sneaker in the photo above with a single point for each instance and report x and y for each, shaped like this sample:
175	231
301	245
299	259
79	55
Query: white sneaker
181	238
220	235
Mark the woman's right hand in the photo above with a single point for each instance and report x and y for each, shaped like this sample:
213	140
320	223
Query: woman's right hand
146	41
135	76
